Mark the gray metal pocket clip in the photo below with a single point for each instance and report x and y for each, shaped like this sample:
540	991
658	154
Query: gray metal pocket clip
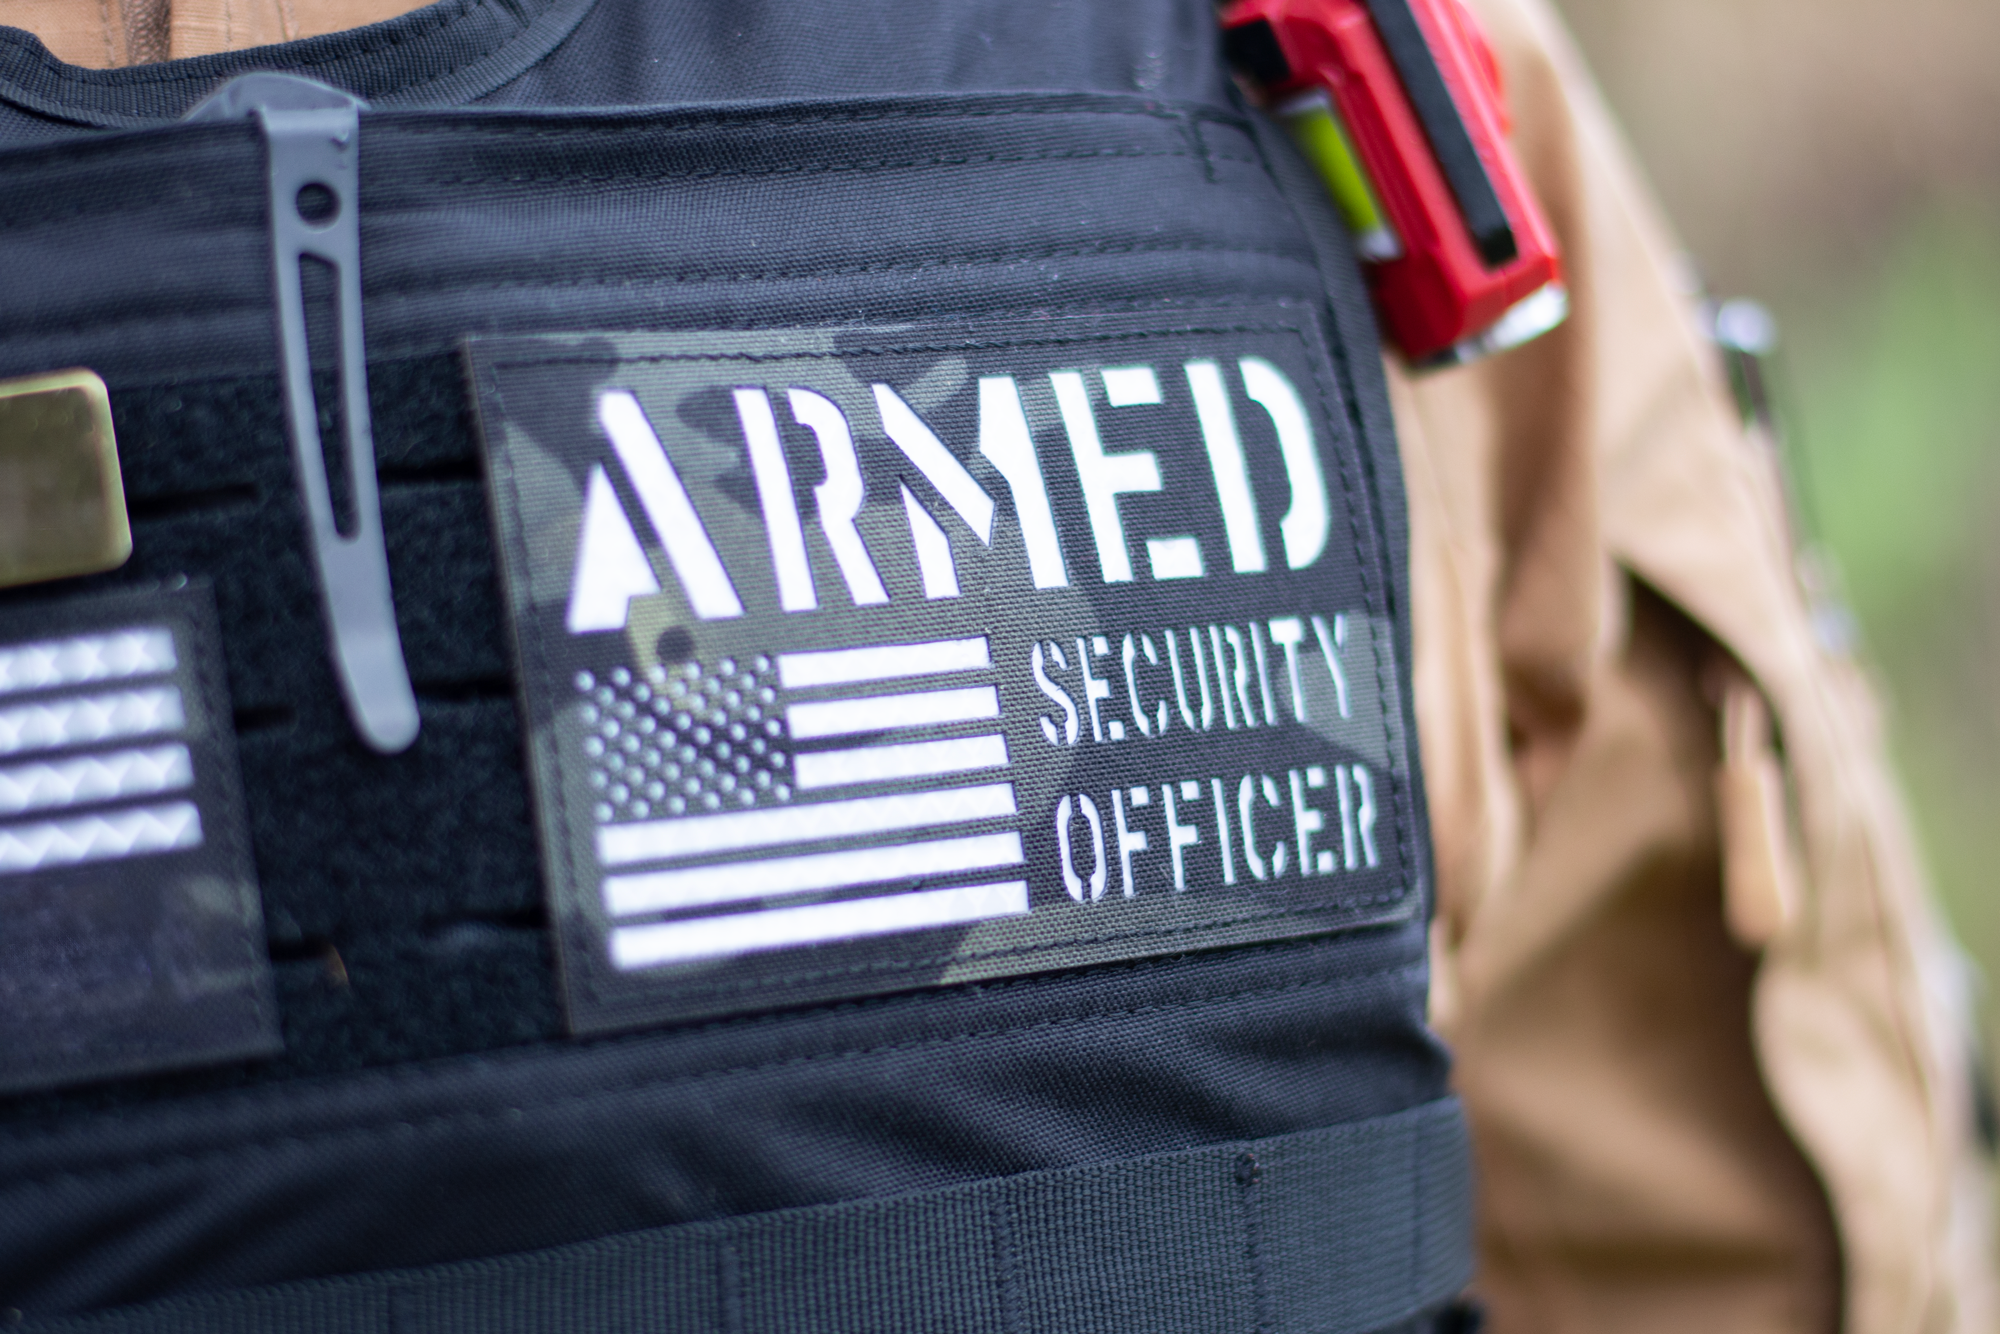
311	132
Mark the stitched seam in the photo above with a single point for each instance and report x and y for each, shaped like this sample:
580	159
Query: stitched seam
409	292
164	78
1058	104
584	130
903	346
826	168
559	283
431	80
1360	524
1247	1171
448	1121
990	259
1008	1260
569	137
1302	914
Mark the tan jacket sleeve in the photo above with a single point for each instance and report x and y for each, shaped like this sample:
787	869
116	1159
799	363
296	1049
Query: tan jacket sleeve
1677	1126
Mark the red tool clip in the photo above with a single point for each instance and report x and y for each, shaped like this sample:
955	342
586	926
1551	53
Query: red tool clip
1399	105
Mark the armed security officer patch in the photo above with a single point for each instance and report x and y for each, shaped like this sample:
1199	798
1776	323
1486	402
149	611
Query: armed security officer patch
862	660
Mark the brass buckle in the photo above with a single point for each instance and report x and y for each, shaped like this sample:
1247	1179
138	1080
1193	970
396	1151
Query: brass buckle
62	499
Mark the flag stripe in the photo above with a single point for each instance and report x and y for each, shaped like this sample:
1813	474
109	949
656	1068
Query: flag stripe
94	838
659	840
78	782
116	656
880	713
883	662
54	723
735	882
743	933
915	759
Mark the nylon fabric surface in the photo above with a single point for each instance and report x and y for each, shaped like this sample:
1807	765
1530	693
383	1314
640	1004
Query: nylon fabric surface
544	1145
1249	1251
597	53
426	1110
477	222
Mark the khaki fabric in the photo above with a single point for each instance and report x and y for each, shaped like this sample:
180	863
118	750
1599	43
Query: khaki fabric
1710	1033
1634	743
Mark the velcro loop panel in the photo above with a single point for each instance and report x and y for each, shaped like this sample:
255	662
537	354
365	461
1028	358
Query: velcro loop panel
1342	1230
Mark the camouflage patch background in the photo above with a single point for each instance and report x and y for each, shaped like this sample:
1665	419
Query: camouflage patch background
719	835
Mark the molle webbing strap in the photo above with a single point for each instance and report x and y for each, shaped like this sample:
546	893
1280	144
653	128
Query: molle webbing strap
1338	1231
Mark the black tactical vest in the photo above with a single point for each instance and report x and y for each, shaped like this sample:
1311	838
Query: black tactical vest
794	715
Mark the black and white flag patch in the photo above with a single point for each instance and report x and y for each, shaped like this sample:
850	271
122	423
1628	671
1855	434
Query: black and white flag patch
862	660
131	935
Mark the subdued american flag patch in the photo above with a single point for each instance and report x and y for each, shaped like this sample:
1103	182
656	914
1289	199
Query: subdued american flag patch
131	936
748	784
94	764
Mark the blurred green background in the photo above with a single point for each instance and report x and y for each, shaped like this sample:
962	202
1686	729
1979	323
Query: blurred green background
1840	162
